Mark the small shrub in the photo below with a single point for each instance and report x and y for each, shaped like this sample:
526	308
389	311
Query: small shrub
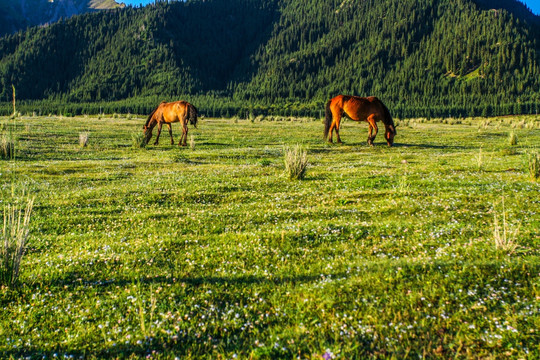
14	234
7	147
512	139
295	162
534	165
83	139
138	140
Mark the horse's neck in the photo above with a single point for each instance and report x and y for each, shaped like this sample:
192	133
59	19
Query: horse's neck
151	123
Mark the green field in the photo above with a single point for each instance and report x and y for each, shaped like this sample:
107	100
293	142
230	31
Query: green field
212	252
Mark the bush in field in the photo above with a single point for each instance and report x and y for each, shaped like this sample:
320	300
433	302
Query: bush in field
14	234
295	162
138	140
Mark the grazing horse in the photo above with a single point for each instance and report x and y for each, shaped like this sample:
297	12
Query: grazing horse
357	108
168	113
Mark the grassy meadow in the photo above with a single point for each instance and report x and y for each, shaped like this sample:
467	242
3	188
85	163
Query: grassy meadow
428	249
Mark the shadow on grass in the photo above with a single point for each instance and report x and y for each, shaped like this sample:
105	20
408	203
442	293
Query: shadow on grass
383	145
432	146
183	343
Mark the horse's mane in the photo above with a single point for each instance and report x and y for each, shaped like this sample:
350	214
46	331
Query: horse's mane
152	114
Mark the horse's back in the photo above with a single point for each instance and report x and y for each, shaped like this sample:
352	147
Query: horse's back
174	111
360	108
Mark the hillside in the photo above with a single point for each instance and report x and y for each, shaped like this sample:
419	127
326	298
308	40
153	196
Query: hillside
17	15
435	57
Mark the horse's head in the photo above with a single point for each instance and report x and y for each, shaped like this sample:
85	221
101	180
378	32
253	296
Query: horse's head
390	133
147	132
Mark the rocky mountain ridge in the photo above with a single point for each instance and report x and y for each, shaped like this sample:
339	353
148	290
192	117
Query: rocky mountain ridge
17	15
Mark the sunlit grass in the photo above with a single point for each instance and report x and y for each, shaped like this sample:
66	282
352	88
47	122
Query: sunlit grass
213	253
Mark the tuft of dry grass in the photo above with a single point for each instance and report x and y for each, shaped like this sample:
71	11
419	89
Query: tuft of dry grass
138	140
504	237
192	142
83	139
512	139
13	241
482	160
7	147
534	165
295	162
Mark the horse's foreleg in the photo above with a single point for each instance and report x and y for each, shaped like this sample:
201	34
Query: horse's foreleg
158	133
183	139
373	129
170	133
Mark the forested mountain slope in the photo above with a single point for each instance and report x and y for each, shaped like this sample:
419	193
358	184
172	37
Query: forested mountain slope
426	57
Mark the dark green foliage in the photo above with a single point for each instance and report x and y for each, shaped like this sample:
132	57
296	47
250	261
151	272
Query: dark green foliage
428	58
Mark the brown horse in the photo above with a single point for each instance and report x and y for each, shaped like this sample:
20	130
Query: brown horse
168	113
357	108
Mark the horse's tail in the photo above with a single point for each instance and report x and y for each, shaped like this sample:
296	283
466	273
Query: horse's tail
388	120
192	115
327	119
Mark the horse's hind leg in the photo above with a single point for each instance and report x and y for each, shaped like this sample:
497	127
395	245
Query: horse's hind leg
158	133
336	116
373	129
170	133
